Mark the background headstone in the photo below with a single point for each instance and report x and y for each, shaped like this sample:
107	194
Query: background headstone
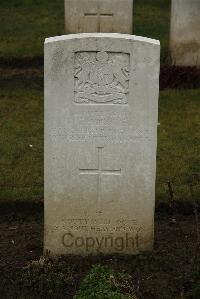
185	32
101	106
99	16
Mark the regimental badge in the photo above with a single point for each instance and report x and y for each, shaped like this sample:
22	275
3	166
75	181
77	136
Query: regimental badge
101	77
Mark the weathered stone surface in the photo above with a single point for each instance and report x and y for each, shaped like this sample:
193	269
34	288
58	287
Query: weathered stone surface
185	32
101	106
99	16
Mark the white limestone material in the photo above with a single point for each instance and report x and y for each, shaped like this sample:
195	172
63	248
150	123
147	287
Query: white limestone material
101	109
185	32
99	16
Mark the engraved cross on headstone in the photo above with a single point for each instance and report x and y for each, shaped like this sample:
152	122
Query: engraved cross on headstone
99	17
99	171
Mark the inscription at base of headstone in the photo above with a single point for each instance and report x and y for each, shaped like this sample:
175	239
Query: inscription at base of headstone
99	16
185	32
101	108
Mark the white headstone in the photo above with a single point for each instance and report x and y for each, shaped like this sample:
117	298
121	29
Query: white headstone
99	16
101	106
185	32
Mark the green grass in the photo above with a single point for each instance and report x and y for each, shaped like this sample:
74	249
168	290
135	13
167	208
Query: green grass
24	24
152	19
21	125
178	139
21	144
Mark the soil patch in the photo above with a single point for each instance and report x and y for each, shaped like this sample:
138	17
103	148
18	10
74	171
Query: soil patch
179	77
29	74
165	273
20	78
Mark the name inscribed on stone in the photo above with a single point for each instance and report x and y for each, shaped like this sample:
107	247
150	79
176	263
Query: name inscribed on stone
112	127
101	78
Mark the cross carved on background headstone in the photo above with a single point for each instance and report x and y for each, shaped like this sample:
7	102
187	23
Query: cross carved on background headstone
100	18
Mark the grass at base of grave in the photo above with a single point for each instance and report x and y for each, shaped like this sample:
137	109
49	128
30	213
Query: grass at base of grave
21	143
26	23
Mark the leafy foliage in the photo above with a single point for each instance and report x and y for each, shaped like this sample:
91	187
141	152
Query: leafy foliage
102	283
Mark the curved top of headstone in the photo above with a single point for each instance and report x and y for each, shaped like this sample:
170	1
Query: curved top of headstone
102	35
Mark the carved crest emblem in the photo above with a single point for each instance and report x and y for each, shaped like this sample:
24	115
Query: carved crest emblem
101	77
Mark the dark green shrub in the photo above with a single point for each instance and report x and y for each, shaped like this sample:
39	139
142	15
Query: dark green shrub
195	291
102	283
